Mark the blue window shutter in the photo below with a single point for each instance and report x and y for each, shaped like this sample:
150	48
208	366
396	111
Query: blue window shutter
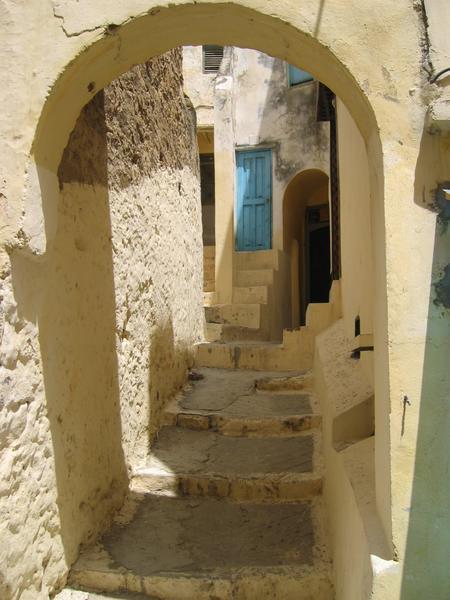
297	76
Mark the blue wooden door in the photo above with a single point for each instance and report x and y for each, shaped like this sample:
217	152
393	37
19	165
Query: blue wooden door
254	200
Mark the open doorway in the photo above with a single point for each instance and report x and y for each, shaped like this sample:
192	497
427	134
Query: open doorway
306	231
317	254
205	139
207	184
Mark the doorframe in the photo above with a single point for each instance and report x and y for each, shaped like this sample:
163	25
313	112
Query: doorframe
305	301
247	148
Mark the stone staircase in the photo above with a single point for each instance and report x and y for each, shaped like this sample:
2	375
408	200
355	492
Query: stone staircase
295	351
228	505
258	310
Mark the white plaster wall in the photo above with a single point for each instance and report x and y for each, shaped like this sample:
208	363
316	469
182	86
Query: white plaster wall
267	112
199	86
438	17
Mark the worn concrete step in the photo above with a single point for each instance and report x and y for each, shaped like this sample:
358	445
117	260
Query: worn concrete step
209	298
261	414
258	294
73	594
234	355
243	315
261	259
205	463
255	355
296	352
219	332
250	277
292	382
204	548
242	403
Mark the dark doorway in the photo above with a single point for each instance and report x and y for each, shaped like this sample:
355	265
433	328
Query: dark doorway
208	198
317	271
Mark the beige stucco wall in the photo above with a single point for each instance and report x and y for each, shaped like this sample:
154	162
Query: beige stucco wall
57	54
356	534
99	332
357	285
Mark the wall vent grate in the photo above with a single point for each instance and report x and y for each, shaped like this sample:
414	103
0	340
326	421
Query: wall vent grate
212	58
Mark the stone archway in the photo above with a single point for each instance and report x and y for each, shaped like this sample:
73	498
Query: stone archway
156	31
87	67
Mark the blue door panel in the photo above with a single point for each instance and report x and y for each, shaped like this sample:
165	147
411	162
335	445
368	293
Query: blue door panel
254	200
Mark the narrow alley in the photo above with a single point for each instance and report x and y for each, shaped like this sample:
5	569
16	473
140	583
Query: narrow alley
224	300
229	503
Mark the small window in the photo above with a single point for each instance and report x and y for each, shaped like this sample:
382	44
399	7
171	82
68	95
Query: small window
297	76
212	57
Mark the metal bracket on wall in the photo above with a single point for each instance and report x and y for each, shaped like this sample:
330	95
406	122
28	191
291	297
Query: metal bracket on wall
362	343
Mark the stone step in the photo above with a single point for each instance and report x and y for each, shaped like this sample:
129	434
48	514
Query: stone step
258	414
209	298
243	315
251	469
250	277
257	355
72	594
251	294
219	332
241	403
261	259
204	548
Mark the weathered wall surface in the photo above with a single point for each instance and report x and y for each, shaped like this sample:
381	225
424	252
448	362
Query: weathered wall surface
98	332
268	112
254	106
374	59
199	86
354	528
357	286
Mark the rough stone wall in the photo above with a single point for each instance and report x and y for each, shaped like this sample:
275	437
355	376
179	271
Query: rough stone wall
98	332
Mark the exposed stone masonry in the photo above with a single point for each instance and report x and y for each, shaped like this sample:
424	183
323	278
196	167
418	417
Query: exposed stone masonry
98	332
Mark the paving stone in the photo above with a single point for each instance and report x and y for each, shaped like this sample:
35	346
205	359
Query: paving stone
230	402
186	451
221	387
171	534
227	505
